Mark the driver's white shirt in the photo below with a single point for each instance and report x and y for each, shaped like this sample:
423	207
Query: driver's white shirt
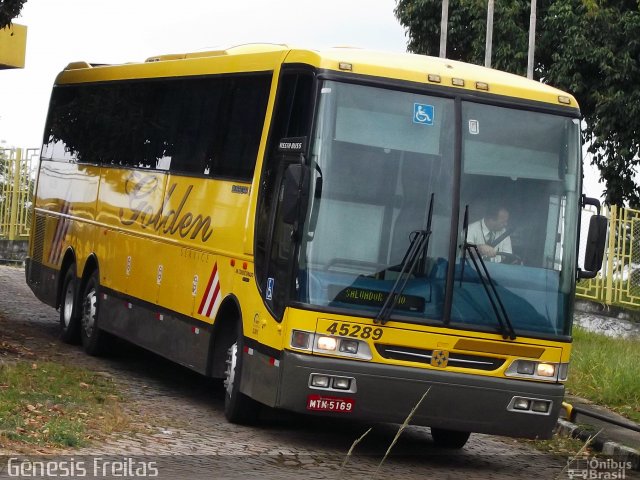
479	233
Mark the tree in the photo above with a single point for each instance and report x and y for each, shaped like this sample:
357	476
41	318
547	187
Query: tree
588	47
9	9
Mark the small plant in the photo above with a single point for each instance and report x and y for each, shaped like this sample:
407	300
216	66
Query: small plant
54	405
604	370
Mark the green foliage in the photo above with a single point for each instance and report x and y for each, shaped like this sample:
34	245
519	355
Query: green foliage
588	47
605	371
9	9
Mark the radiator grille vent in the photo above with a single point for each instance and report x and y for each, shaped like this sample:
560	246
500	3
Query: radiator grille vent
407	354
38	239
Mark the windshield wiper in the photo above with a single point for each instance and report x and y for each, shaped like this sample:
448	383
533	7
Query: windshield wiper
419	243
506	327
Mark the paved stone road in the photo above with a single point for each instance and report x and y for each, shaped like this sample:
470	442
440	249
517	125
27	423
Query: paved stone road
190	438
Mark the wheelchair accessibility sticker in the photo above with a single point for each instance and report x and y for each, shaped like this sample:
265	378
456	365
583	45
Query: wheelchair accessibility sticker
423	114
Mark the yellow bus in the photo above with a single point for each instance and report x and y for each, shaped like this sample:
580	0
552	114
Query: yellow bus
313	228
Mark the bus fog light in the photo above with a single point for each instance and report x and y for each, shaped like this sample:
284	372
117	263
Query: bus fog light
341	383
300	339
327	343
349	346
521	404
526	368
546	370
321	381
540	406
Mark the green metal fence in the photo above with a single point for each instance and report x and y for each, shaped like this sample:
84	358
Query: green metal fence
618	283
18	169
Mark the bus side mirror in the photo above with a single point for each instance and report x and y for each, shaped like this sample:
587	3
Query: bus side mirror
594	252
295	193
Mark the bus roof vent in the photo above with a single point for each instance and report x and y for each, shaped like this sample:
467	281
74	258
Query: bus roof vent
235	50
77	65
162	58
256	48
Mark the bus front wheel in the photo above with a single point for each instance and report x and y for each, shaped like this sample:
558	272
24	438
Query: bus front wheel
90	333
69	308
449	438
238	408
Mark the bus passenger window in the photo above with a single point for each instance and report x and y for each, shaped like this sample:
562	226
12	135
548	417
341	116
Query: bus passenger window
243	122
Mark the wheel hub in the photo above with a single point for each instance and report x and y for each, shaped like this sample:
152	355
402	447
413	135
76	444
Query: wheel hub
230	373
67	307
89	312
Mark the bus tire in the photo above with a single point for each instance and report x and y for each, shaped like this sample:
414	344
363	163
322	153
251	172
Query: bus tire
453	439
93	338
69	308
238	407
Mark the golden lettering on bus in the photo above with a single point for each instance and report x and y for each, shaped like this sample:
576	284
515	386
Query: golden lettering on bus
175	220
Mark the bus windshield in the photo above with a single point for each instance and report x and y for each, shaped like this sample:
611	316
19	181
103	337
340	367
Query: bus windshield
380	155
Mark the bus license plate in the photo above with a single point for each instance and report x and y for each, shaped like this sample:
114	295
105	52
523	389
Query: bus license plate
320	403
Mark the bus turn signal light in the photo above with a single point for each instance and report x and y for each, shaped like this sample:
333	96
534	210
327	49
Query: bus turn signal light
300	339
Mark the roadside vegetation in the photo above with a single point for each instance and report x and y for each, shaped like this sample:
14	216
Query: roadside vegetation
56	406
605	370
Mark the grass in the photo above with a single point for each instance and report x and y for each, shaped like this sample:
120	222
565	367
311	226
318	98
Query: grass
605	370
53	405
558	445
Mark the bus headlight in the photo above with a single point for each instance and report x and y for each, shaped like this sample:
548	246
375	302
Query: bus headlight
330	344
546	370
526	368
349	346
327	343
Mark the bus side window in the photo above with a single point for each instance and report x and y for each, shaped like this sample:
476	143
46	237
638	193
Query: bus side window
273	250
243	121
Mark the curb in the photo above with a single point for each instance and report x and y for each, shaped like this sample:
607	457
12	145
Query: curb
600	443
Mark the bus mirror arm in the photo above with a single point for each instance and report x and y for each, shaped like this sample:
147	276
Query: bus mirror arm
295	195
591	201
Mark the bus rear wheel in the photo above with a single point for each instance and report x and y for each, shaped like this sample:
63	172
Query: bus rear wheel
449	438
69	308
92	337
238	407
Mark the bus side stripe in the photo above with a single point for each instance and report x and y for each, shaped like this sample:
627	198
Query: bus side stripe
208	289
212	304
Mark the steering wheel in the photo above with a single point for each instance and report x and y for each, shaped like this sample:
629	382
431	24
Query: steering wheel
509	258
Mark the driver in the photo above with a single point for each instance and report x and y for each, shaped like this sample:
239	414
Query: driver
490	234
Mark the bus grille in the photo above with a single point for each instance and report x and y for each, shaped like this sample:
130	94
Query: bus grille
459	360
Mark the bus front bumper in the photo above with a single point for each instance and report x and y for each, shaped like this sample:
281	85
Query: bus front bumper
388	393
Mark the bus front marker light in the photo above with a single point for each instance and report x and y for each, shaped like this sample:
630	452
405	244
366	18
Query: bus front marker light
327	343
300	339
320	381
563	372
340	383
521	403
540	406
526	368
349	346
546	370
